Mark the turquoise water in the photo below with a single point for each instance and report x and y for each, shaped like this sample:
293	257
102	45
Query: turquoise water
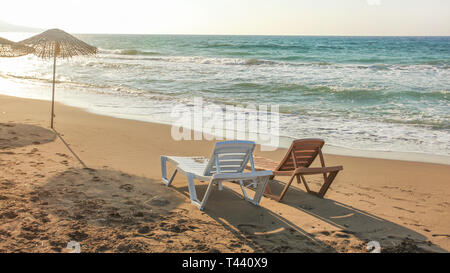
370	93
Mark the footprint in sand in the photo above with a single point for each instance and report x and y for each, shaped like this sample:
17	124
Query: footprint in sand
78	236
306	207
34	150
366	195
399	208
7	183
371	203
408	219
138	214
159	201
96	179
62	155
9	215
341	235
143	230
441	235
127	187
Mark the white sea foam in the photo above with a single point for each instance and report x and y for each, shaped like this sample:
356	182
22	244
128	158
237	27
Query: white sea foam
390	106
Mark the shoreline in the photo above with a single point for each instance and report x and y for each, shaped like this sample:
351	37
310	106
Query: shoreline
285	142
101	176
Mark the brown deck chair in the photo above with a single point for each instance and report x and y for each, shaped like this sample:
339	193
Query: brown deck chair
296	164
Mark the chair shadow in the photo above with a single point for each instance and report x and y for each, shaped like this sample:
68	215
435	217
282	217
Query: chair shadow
365	226
256	226
15	135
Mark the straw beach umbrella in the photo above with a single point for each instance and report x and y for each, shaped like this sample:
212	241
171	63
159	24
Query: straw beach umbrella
11	49
55	43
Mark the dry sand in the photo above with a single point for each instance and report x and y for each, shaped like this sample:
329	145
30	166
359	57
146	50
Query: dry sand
98	183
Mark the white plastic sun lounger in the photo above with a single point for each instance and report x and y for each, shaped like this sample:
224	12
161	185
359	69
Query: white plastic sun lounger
227	163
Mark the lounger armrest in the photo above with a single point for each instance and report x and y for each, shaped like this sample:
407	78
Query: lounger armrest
318	170
241	176
283	173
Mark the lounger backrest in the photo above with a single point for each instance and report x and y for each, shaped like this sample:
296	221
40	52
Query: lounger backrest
230	157
303	151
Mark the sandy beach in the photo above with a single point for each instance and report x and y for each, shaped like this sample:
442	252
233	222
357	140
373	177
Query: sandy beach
96	180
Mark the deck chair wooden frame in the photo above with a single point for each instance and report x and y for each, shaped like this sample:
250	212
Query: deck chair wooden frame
227	163
296	164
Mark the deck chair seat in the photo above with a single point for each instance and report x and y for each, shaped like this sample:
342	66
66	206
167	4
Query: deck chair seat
227	163
296	164
196	165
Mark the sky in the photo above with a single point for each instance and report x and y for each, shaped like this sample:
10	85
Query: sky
236	17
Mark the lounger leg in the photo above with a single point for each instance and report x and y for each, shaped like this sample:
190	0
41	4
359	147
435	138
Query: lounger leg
244	192
260	188
268	189
286	187
304	182
241	184
164	172
260	183
268	192
192	191
327	184
207	193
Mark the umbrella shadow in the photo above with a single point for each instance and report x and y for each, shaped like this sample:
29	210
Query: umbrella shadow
361	224
70	149
15	135
256	226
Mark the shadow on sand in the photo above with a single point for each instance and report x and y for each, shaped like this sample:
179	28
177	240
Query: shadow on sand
363	225
102	209
267	231
15	135
260	228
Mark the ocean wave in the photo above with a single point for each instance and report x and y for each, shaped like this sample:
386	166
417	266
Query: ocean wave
283	62
439	63
109	65
203	60
272	46
221	61
436	125
38	78
131	52
380	94
345	93
97	88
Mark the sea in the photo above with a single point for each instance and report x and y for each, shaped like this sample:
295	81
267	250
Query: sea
378	96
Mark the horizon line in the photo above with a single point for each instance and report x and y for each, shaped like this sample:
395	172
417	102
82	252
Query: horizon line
203	34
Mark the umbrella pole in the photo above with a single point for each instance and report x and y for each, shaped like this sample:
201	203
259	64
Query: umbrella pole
53	89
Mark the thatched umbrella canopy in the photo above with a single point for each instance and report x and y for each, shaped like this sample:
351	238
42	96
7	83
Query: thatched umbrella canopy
55	43
11	49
